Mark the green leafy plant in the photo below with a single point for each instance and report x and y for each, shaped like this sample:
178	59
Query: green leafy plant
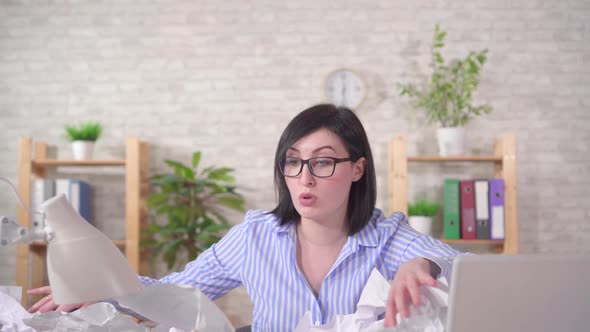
423	208
87	131
193	204
447	98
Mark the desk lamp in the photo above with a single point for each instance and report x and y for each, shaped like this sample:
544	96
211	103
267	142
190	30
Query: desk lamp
83	264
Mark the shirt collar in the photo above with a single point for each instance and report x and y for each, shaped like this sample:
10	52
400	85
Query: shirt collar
284	229
367	237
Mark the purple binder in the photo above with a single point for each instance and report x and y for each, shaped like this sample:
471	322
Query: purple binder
497	209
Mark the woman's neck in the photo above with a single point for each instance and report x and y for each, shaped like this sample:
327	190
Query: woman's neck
322	234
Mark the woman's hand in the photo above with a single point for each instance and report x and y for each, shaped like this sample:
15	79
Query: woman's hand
405	286
46	303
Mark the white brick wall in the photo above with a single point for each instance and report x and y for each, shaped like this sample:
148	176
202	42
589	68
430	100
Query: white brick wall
225	77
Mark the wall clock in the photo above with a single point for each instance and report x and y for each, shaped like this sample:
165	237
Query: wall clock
344	87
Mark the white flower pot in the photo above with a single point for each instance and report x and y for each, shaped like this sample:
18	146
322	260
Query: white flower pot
82	150
421	224
451	141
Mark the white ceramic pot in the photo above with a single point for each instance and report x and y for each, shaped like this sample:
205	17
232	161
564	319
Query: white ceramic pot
82	150
451	141
421	224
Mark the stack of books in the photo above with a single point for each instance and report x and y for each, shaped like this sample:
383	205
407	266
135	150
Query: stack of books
78	192
474	209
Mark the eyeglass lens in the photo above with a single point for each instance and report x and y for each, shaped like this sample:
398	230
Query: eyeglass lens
322	167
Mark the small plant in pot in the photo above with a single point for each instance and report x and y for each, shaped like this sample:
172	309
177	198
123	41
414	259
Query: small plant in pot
83	138
448	97
420	215
193	203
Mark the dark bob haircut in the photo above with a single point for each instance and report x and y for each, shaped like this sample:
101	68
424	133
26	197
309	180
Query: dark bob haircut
347	126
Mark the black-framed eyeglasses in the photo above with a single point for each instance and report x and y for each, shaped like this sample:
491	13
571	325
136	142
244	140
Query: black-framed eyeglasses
321	167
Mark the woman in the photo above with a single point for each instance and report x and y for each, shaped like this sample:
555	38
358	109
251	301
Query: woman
315	251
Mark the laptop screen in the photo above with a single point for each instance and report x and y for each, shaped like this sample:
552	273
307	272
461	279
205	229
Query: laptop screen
491	293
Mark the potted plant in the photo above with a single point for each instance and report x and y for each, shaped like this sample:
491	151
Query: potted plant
192	203
420	215
83	138
448	97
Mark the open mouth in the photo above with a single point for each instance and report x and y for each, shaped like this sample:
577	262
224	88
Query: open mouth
307	199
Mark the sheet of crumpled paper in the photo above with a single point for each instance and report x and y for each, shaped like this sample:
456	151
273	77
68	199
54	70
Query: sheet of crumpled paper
13	291
99	317
174	308
430	316
11	312
180	307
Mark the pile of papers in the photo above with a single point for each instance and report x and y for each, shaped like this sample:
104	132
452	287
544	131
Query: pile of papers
430	316
186	309
177	309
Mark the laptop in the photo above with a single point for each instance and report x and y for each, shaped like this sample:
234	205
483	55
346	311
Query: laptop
501	293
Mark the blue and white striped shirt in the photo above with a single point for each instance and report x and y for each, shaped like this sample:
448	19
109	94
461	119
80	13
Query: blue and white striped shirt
260	255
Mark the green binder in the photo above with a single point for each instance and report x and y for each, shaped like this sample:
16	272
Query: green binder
451	209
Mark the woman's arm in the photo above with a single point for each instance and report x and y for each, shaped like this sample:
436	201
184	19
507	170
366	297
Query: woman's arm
435	251
218	269
215	272
422	259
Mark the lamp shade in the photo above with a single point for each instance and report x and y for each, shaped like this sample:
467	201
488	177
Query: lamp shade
82	263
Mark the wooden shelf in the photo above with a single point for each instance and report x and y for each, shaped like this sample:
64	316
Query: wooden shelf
33	163
487	242
504	159
456	158
57	163
43	244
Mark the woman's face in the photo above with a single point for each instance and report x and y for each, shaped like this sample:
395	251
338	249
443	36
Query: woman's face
322	199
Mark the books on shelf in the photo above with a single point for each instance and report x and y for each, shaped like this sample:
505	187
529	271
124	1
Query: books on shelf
78	193
42	190
451	210
467	195
497	209
482	209
473	209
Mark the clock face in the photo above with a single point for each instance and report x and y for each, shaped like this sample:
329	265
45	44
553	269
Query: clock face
344	87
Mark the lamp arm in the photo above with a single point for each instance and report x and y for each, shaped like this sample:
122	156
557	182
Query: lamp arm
12	232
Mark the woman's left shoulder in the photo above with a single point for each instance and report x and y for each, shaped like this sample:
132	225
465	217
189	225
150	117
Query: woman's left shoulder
387	227
259	217
393	221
